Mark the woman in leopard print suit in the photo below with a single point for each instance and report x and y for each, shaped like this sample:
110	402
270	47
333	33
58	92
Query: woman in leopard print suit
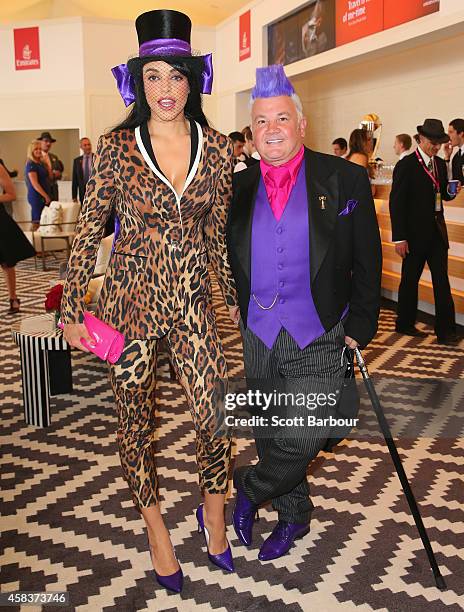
172	211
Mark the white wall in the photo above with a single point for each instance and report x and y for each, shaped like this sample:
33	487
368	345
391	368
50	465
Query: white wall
74	88
235	76
402	87
48	98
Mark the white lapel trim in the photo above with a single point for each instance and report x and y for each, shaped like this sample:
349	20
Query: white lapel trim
161	176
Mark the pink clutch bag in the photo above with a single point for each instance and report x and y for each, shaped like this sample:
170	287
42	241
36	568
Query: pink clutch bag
109	343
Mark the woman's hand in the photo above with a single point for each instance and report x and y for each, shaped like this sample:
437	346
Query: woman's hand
47	199
73	333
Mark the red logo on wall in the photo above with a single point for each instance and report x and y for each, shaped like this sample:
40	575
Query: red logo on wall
27	49
244	36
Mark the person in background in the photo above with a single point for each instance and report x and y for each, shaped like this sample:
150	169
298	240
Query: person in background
455	162
250	149
402	145
252	155
419	232
14	246
36	176
360	151
54	165
82	167
340	147
238	140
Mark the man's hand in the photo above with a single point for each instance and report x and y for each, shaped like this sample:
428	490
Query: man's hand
234	314
350	342
73	334
447	149
458	188
402	248
74	200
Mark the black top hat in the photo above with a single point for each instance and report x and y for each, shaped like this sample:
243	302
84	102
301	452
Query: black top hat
163	24
46	136
433	130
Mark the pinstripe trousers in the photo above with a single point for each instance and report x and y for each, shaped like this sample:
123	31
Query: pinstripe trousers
284	453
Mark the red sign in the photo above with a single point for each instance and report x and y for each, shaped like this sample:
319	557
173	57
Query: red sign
357	18
27	49
399	12
244	43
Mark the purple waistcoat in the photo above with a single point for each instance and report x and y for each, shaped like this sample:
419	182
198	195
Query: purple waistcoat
280	274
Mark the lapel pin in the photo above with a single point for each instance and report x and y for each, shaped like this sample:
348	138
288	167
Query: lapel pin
322	200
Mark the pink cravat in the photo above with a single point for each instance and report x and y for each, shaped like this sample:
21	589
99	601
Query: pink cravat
279	182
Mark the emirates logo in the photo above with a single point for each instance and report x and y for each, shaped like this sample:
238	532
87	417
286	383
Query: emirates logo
27	59
27	52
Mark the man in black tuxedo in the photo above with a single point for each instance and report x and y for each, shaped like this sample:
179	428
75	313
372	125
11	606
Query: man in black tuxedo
305	252
455	162
420	182
82	168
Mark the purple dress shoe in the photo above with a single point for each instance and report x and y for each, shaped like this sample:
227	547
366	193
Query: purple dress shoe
223	560
171	582
243	516
281	539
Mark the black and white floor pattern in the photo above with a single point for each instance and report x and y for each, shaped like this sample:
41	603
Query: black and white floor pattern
68	523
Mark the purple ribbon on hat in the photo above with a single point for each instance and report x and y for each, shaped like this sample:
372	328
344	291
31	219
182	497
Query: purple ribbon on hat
161	46
350	206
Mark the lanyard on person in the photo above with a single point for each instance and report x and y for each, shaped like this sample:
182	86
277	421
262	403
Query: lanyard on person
436	184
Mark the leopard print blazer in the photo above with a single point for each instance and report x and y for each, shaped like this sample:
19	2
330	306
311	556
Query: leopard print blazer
158	267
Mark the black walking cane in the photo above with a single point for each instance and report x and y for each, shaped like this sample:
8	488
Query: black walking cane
439	580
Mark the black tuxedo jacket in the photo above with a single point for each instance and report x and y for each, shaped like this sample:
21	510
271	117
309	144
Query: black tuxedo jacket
345	250
412	203
78	183
457	166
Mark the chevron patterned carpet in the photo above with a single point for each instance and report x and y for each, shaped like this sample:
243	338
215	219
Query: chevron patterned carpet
68	523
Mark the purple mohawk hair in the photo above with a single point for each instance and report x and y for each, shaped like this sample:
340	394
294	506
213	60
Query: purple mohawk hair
271	81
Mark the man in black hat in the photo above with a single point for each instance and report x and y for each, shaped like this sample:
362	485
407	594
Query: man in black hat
419	187
54	165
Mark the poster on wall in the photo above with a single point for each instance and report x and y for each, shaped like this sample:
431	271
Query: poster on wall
323	24
357	18
27	48
395	13
244	36
308	32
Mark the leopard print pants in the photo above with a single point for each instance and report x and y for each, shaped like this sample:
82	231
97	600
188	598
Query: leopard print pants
201	370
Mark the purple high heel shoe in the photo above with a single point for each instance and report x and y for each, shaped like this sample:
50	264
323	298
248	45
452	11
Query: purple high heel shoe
223	560
172	582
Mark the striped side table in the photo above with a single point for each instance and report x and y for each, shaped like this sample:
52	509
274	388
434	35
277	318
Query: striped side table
45	365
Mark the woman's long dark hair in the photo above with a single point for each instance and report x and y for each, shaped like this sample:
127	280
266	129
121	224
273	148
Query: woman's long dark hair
140	112
359	143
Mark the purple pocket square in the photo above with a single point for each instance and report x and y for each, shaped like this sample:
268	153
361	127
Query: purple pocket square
350	206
